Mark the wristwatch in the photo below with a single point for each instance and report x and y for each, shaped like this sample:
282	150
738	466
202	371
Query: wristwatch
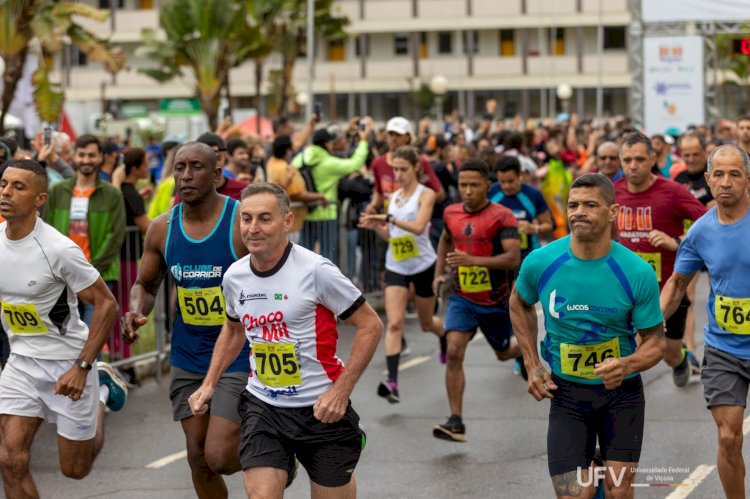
83	364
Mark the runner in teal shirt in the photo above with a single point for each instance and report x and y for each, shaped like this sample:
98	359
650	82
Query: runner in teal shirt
595	294
589	302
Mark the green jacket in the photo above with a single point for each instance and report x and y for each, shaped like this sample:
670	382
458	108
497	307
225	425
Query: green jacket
106	222
326	172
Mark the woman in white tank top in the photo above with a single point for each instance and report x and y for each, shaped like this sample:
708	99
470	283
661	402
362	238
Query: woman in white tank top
410	259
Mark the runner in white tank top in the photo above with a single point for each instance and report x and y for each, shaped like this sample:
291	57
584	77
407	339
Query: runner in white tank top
410	260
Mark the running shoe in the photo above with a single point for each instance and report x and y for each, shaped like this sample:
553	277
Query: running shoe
453	430
681	373
388	389
363	442
118	390
695	366
443	357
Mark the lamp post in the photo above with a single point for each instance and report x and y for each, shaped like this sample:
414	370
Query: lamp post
564	93
439	86
302	99
310	57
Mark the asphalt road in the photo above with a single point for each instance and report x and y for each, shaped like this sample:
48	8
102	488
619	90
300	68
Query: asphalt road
505	455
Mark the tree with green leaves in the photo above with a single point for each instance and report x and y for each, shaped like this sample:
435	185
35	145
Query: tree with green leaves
46	26
284	25
209	38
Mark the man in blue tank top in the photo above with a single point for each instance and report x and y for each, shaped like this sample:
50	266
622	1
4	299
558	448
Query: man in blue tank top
196	242
592	310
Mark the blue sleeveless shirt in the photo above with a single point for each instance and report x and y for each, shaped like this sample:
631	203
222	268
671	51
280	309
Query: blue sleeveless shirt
198	267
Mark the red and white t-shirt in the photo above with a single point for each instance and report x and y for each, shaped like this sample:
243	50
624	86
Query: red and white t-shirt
289	315
664	206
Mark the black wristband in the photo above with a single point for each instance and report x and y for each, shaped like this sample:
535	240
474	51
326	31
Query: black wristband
389	218
678	241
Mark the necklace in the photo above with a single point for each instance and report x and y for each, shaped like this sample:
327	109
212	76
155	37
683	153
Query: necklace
401	200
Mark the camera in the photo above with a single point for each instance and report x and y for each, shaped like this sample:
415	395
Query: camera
47	135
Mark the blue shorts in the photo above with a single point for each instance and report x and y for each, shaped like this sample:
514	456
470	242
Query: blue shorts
465	316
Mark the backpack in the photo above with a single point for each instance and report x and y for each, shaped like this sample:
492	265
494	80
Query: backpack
306	171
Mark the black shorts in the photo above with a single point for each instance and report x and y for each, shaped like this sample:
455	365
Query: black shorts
422	281
580	413
676	323
272	436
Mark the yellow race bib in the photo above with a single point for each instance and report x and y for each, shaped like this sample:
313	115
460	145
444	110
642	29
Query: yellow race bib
474	279
732	314
201	306
653	259
580	360
24	319
276	364
403	247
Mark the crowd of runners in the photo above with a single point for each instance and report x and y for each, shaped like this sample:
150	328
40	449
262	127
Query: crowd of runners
605	227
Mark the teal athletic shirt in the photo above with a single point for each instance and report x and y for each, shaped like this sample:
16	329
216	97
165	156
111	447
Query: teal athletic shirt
597	303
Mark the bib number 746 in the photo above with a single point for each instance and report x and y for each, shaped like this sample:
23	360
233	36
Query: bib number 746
580	360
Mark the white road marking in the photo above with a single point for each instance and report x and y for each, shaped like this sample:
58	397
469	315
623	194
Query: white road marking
160	463
695	478
701	472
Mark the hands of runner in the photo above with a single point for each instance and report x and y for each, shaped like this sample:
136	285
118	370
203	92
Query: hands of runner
129	324
525	227
455	258
369	221
611	371
540	383
199	400
331	406
661	240
72	383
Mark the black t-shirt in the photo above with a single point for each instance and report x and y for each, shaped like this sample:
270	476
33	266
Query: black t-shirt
132	247
697	185
449	179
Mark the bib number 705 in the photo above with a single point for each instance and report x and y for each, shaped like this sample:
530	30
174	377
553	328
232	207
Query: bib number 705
276	364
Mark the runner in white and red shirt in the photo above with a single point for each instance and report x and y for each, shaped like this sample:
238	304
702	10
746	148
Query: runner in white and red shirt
286	300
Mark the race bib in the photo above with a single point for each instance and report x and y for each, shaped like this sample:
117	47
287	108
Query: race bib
24	319
732	314
474	279
202	306
404	247
653	259
580	360
276	364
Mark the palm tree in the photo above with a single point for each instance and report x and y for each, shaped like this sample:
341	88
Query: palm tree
284	25
46	26
210	38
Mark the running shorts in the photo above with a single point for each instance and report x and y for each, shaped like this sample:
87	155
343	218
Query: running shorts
725	378
676	323
422	281
224	401
465	316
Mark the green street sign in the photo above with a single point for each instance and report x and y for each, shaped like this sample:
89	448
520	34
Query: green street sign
180	107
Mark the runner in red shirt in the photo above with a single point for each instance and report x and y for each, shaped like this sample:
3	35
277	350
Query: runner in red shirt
651	223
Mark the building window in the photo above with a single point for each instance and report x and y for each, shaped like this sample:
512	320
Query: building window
445	42
336	50
360	42
423	45
614	38
557	41
474	40
401	44
507	43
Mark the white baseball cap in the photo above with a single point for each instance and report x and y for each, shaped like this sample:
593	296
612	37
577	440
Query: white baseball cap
399	125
